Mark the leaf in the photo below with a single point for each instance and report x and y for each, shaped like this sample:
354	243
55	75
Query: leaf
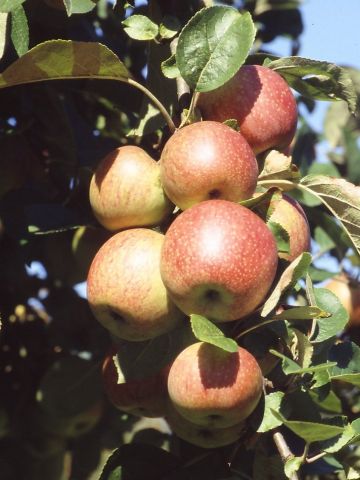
292	368
311	431
324	241
329	327
342	198
19	31
336	117
292	465
347	358
213	46
140	27
79	6
278	166
290	276
272	402
64	59
281	236
3	31
169	27
304	349
335	444
206	331
232	123
317	79
7	6
169	67
352	155
300	313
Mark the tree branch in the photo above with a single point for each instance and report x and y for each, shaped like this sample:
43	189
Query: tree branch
284	450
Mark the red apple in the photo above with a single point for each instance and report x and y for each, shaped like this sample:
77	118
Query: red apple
125	290
207	160
218	260
289	214
202	436
262	103
214	388
145	397
125	190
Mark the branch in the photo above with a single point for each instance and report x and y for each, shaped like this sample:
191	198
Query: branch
284	450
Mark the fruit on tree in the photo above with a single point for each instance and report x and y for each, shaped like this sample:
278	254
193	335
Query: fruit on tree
145	397
218	260
125	190
207	160
290	215
214	388
262	103
202	436
349	296
125	290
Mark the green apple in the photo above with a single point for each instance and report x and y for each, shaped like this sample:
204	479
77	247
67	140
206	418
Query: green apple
207	160
262	103
219	260
126	191
214	388
125	290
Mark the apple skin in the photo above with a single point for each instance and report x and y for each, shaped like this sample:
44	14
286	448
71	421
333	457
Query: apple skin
219	260
262	103
207	160
201	436
348	295
146	397
290	215
126	191
214	388
125	290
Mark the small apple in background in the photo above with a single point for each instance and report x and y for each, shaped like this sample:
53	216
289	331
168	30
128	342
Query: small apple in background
202	436
262	103
207	160
290	215
126	191
218	260
125	290
214	388
146	397
349	295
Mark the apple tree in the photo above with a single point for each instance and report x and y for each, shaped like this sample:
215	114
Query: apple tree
179	269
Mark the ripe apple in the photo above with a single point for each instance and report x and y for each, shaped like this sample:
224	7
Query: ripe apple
125	290
262	103
125	190
349	296
202	436
207	160
214	388
145	397
290	215
218	260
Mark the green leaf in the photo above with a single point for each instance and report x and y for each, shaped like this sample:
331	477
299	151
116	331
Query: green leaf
7	6
206	331
347	357
169	67
300	313
79	6
64	59
140	27
281	236
169	27
213	46
329	327
336	117
3	31
324	241
352	154
288	279
232	123
292	465
317	79
311	431
19	31
292	368
272	402
335	444
278	166
342	198
304	349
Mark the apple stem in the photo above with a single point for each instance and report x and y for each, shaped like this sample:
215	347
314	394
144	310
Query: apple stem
284	451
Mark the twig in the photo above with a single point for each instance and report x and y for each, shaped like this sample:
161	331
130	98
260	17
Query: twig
183	89
315	457
284	450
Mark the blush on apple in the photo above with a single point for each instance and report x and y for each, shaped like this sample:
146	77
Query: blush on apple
262	103
219	260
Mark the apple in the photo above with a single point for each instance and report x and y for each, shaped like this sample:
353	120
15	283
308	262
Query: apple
219	260
125	290
202	436
349	295
207	160
144	397
290	215
262	103
214	388
126	191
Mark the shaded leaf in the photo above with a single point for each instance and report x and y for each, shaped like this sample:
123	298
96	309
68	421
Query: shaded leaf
272	402
213	46
19	31
7	6
292	465
281	236
140	27
169	27
205	331
347	358
169	67
79	6
292	368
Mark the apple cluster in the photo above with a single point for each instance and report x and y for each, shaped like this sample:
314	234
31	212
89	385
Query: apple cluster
217	258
